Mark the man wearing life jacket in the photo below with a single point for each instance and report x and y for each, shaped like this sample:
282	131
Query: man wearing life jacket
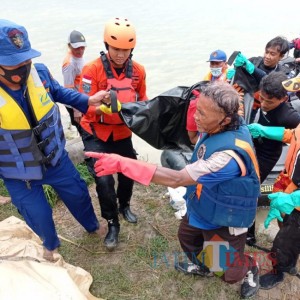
218	71
115	71
32	139
223	187
218	66
71	70
286	245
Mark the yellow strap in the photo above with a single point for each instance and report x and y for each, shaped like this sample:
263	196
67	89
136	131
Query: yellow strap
238	160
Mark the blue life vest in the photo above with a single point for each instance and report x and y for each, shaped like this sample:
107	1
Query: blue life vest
230	203
25	151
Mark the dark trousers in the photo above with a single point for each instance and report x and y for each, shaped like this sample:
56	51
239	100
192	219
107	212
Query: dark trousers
286	245
192	240
105	185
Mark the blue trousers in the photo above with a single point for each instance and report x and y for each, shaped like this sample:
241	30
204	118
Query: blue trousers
33	206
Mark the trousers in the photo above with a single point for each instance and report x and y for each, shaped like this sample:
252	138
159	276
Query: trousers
32	203
105	185
192	241
286	245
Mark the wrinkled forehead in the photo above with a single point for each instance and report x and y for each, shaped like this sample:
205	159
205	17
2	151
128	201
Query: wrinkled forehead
207	103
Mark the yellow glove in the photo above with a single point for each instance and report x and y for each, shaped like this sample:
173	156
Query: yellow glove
106	108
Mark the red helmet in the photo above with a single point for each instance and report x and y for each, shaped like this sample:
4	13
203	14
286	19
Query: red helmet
120	33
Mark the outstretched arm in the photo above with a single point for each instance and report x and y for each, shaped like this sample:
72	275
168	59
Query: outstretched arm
139	171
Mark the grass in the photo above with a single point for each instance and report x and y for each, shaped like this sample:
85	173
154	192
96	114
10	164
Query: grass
141	268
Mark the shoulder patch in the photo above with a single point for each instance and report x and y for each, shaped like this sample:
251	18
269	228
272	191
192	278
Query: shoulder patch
86	84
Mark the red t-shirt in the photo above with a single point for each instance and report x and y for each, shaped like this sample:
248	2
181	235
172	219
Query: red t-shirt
190	121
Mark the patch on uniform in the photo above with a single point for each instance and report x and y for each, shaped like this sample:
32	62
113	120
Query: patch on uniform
86	84
201	151
16	37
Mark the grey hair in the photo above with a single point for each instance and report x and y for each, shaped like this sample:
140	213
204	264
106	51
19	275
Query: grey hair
226	99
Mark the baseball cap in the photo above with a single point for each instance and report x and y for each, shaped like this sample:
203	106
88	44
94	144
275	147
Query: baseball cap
217	55
76	39
15	47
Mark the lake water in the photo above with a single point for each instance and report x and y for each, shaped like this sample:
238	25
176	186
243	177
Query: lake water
174	37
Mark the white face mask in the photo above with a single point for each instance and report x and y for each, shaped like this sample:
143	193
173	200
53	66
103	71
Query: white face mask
216	72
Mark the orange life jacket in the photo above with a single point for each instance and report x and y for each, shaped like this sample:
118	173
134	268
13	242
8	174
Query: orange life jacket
124	89
127	86
222	77
291	159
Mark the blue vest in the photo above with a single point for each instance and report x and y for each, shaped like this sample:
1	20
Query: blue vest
230	203
25	151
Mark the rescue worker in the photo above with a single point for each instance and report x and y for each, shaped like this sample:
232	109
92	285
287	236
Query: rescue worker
275	111
116	71
32	142
218	66
250	72
71	70
223	173
286	245
218	71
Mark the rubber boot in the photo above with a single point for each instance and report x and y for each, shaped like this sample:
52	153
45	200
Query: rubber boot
128	215
112	237
271	279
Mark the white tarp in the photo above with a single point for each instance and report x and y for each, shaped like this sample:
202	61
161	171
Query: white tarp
25	274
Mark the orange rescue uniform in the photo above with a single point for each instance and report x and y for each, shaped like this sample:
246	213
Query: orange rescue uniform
94	79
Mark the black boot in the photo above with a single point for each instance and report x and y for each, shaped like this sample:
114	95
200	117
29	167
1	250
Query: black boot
112	238
250	285
128	215
271	279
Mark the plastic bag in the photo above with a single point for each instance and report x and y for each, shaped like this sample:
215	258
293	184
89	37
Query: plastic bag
177	201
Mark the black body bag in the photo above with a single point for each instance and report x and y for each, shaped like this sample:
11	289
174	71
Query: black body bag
161	121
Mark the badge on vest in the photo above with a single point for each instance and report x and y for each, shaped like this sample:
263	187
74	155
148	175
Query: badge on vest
201	151
86	84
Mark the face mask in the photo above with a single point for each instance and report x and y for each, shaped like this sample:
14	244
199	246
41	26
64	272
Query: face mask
17	76
216	72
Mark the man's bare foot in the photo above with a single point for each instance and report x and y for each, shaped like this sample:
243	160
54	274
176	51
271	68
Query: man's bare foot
101	231
49	254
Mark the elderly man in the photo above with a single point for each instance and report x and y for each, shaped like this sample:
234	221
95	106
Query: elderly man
32	142
222	189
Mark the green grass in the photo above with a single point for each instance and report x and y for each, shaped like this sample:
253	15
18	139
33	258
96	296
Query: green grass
131	272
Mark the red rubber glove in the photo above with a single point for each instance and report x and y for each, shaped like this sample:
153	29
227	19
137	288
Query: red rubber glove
108	164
